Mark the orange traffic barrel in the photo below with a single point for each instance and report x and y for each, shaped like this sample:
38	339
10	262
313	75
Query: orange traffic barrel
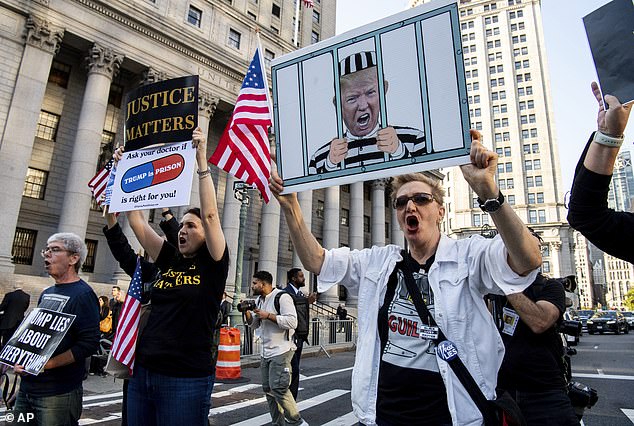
228	365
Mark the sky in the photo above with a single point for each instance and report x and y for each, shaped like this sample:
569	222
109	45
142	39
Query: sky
570	67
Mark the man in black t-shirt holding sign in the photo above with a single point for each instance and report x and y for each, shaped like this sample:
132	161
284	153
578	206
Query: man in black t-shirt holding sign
532	371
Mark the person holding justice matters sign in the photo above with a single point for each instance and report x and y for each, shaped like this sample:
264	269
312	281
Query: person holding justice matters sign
364	141
174	367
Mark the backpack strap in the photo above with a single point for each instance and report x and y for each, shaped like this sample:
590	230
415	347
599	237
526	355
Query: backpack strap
276	303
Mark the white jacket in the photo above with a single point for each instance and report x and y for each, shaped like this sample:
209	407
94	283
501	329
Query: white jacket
462	273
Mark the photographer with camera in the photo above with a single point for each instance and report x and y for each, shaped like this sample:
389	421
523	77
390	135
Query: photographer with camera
278	348
533	370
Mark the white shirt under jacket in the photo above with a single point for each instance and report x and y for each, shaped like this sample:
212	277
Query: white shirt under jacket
277	338
463	271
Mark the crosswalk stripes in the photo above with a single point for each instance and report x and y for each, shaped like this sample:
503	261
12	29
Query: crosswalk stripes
302	405
347	420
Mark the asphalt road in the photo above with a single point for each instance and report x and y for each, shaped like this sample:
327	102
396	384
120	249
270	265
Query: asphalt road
604	362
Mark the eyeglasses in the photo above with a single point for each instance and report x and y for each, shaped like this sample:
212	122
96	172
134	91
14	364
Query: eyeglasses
420	199
53	250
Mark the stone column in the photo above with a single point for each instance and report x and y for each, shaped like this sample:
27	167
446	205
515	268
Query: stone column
356	216
378	212
555	256
103	64
269	237
306	203
397	236
231	229
356	227
42	43
331	236
206	108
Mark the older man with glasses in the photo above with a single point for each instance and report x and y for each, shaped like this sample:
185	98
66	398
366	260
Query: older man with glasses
398	377
55	395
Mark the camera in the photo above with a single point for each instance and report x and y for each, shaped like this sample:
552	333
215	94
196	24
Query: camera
570	327
581	395
246	305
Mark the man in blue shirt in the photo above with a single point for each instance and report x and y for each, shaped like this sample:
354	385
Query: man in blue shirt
55	395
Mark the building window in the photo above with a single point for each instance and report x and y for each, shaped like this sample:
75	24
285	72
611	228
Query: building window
345	188
59	75
538	181
275	10
541	216
532	216
194	16
234	38
314	37
387	230
528	165
540	197
345	217
510	183
545	250
320	209
252	15
35	183
268	56
510	199
366	224
535	147
47	125
476	219
275	30
316	17
509	167
531	198
23	246
537	164
530	182
89	264
545	266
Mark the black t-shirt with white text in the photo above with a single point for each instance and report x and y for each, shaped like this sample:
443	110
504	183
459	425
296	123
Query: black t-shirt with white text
410	388
533	362
185	304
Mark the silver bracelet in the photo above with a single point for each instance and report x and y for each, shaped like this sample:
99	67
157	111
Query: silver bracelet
204	172
611	141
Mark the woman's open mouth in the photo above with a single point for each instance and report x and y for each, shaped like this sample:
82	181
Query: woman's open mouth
412	222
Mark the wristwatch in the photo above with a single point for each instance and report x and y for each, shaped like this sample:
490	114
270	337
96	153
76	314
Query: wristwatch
166	212
492	204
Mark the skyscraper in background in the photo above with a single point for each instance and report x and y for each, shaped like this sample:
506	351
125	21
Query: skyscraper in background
510	104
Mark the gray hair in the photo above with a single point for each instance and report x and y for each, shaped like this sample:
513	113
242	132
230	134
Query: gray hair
73	243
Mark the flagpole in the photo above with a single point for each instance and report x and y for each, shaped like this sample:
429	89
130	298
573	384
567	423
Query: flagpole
297	2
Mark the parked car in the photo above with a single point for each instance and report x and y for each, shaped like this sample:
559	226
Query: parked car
603	321
629	317
584	315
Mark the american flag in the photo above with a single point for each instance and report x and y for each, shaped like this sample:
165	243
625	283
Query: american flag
308	3
243	149
124	345
99	182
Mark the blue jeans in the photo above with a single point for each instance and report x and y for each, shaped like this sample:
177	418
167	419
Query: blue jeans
57	410
155	399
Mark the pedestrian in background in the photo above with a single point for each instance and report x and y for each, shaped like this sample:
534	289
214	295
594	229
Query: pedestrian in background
13	306
278	347
55	395
295	281
225	309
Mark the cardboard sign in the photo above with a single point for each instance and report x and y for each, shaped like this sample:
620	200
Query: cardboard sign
154	177
36	339
162	112
384	99
610	31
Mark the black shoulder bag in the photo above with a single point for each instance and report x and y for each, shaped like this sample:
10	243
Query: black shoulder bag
502	411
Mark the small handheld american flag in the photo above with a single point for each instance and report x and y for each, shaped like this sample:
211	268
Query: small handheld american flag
124	346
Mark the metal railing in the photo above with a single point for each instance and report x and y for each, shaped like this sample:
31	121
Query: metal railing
322	333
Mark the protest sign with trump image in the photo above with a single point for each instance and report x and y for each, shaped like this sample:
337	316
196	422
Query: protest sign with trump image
384	99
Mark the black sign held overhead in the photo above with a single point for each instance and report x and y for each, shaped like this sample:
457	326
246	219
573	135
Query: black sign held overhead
610	31
36	339
162	112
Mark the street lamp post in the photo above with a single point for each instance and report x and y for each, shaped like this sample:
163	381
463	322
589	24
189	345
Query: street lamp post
240	191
